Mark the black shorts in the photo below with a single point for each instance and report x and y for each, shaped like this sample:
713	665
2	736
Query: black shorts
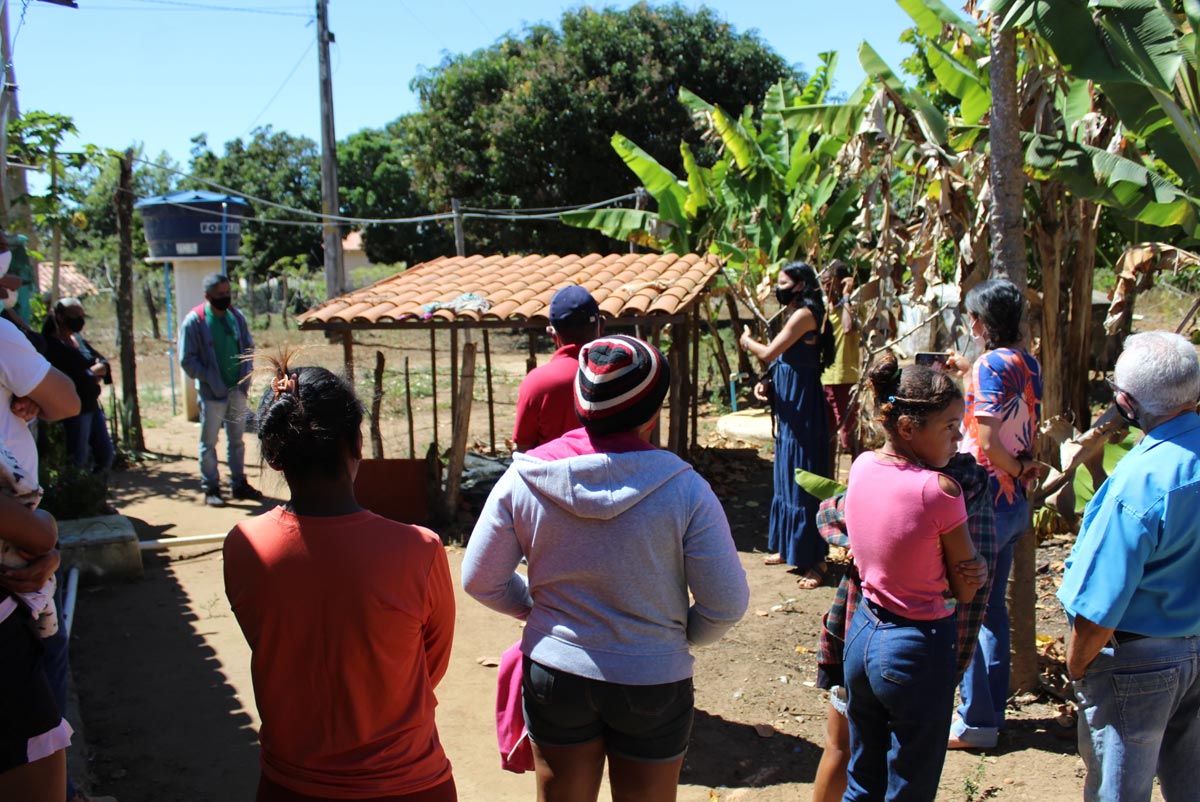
27	707
647	723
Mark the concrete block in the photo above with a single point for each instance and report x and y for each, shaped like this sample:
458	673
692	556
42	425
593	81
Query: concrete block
104	547
746	424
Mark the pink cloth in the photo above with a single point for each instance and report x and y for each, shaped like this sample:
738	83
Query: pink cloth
896	514
516	752
578	443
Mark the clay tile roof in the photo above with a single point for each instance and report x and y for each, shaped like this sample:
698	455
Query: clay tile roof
519	288
72	283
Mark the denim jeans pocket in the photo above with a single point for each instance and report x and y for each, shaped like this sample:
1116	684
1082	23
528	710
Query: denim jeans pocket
1144	703
538	682
905	655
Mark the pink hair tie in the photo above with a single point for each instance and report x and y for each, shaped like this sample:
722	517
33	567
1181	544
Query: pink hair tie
284	384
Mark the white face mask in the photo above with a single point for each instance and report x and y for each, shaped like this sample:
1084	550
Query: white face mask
10	298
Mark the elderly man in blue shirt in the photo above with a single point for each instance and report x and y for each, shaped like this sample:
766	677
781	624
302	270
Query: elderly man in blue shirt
1130	588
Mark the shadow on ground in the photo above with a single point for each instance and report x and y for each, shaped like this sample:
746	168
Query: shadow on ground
146	662
731	754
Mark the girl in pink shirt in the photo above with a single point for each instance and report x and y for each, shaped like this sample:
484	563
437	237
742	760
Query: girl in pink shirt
908	534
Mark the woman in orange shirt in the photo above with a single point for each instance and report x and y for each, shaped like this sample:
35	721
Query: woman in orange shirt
349	616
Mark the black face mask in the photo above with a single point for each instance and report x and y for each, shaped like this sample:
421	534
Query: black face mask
220	304
785	295
75	324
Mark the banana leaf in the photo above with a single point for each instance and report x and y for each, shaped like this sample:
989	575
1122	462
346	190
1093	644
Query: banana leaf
818	487
965	83
931	15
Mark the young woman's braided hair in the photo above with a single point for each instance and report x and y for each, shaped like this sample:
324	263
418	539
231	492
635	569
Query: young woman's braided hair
915	391
305	418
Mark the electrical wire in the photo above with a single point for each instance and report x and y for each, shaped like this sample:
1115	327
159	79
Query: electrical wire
181	5
536	210
491	214
282	86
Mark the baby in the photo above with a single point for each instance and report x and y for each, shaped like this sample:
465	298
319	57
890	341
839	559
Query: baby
15	483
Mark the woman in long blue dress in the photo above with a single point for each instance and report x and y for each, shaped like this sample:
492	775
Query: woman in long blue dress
801	426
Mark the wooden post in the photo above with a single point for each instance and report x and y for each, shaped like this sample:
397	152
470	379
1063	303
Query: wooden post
348	355
412	440
376	403
531	359
460	431
129	395
491	398
694	394
677	440
656	433
433	379
453	374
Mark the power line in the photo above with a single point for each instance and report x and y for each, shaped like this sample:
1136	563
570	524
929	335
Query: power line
282	86
491	214
181	5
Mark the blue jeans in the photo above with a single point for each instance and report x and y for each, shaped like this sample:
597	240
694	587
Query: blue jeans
228	412
984	687
1139	715
86	432
900	677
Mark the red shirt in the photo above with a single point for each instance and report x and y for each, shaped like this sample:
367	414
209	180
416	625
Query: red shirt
349	620
546	400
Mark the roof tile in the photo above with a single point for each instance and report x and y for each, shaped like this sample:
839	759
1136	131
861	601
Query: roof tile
519	288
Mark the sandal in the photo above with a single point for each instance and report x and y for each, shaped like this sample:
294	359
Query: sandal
773	559
814	577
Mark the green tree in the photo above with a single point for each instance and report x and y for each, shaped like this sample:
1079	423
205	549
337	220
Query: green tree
376	183
526	122
280	167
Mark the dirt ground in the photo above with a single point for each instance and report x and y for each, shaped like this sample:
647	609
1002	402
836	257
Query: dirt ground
168	707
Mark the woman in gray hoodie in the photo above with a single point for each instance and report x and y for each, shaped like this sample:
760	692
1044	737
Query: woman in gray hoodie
616	533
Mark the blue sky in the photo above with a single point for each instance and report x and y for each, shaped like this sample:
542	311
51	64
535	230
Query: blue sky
161	71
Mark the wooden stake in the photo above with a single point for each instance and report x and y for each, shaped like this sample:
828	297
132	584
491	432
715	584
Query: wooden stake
348	355
408	411
695	388
433	380
491	398
376	403
460	431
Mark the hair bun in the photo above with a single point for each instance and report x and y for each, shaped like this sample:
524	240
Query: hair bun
884	374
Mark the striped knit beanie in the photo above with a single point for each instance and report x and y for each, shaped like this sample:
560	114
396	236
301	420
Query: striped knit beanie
621	384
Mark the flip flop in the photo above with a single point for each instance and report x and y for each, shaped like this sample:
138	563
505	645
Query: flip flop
773	559
814	577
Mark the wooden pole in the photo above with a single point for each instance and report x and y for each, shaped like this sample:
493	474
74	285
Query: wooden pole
453	374
408	411
491	398
332	235
460	238
678	406
129	394
461	431
694	395
531	359
348	355
376	403
433	380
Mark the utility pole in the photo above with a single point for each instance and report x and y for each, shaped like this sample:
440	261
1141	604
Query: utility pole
334	278
12	182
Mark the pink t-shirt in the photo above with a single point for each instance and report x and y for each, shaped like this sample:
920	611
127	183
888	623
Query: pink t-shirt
896	514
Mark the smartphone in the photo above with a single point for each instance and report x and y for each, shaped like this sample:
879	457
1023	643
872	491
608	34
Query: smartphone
932	359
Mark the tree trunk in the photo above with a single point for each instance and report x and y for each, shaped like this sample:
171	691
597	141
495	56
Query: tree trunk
129	397
148	297
1006	164
1079	331
735	325
1009	261
718	348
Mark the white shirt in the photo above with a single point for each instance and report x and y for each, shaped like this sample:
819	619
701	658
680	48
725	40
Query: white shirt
22	369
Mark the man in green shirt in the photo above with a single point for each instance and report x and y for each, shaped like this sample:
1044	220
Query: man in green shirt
216	350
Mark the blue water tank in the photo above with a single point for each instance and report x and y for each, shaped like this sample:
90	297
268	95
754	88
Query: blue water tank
189	223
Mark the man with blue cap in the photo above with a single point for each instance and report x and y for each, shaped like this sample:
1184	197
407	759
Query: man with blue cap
546	401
